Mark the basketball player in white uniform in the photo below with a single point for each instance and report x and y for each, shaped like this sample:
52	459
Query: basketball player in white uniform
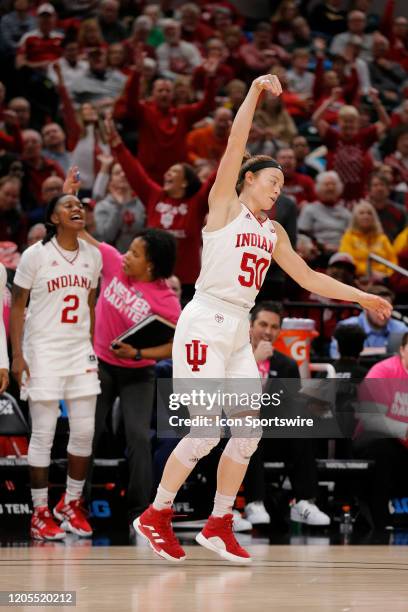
212	336
4	361
55	359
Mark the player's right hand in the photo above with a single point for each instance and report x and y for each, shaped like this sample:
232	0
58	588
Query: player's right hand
263	351
268	82
19	366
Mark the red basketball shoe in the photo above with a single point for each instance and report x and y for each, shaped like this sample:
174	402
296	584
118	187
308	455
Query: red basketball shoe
217	536
73	517
155	526
43	526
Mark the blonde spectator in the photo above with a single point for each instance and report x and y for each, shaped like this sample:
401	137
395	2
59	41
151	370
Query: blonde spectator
364	236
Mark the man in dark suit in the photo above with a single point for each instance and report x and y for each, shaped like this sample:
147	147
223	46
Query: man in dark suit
299	453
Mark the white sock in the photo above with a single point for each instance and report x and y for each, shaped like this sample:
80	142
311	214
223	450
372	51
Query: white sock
164	499
74	489
223	504
39	497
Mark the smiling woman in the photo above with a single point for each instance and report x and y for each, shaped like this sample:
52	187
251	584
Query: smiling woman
56	360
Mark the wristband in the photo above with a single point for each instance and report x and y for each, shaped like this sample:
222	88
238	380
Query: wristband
138	356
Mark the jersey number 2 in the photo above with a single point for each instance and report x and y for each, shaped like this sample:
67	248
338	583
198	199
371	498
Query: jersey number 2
66	316
254	269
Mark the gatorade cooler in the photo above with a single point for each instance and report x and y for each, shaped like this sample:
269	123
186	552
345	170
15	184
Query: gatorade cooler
294	341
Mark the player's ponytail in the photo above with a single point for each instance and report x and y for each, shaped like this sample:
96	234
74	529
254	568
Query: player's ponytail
50	226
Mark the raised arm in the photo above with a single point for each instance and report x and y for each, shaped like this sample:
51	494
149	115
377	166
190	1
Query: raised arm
127	105
69	118
320	123
138	178
223	192
321	284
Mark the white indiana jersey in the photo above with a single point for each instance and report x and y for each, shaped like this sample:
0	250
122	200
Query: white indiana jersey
57	339
235	259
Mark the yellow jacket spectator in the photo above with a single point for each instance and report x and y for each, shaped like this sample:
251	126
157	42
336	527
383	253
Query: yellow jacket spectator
401	241
365	235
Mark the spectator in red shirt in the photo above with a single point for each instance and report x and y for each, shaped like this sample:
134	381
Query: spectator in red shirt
178	206
297	186
36	169
208	143
348	147
396	31
162	127
192	28
39	47
261	53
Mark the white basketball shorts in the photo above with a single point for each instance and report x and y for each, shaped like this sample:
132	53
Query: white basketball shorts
212	341
62	387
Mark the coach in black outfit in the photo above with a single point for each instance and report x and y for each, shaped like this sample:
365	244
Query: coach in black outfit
298	453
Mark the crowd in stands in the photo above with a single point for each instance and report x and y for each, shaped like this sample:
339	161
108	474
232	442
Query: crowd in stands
172	75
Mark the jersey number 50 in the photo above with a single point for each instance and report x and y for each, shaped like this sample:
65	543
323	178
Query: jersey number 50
255	270
66	316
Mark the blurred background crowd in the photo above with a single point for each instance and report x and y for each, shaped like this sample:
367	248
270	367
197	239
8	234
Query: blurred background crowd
172	75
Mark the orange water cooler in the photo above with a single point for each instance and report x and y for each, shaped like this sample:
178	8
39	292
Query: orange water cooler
294	341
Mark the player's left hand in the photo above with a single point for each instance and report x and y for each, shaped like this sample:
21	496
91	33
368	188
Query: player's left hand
4	380
377	304
123	350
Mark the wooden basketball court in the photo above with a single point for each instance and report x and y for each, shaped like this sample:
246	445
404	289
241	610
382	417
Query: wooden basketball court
281	578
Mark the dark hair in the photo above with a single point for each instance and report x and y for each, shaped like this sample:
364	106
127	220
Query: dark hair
247	161
160	249
49	211
350	339
269	306
193	182
404	340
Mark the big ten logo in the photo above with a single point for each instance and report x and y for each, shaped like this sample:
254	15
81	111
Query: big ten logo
183	507
398	505
15	509
100	508
298	350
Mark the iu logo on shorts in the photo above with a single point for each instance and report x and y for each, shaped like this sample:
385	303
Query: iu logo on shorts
196	354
